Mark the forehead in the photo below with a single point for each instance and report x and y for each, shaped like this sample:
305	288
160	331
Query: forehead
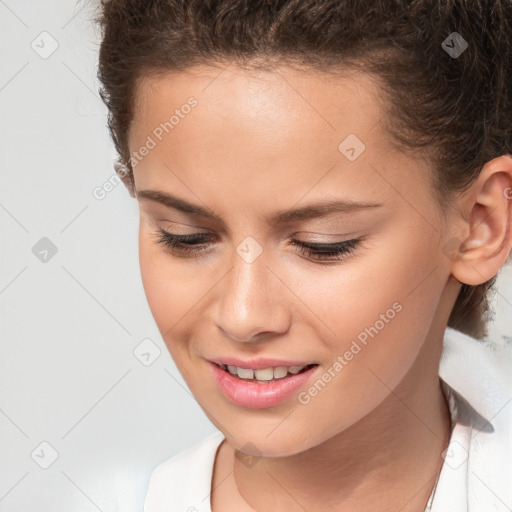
302	100
252	129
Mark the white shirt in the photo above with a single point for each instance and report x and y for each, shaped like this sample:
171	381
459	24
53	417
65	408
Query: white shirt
476	475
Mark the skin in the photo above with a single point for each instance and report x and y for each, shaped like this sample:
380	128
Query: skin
262	141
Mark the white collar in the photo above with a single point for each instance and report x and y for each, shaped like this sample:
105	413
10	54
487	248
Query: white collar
476	473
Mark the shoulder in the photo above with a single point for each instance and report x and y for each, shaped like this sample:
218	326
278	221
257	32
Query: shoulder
183	482
477	465
479	371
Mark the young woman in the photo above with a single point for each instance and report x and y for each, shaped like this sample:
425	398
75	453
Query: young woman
325	202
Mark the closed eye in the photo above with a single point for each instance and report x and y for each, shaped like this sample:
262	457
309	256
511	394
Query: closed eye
196	243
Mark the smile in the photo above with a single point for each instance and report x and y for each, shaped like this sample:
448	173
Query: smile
265	374
261	388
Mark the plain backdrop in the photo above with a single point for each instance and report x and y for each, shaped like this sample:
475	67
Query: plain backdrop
90	400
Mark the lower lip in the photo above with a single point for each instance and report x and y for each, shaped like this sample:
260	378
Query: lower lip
256	395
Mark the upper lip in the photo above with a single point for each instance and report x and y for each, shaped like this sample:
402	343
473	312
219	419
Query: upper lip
258	363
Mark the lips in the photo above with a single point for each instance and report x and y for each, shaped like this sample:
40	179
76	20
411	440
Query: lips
260	362
258	395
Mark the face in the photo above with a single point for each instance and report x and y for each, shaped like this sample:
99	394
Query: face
252	145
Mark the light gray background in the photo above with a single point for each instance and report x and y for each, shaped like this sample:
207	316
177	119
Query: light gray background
69	325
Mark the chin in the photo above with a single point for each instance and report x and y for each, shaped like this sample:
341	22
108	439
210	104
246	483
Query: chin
259	445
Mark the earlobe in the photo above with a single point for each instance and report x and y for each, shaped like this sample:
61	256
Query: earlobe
488	211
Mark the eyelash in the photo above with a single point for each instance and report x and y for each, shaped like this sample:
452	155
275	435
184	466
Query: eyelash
184	245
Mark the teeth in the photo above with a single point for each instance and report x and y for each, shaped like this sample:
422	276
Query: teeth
280	372
264	374
245	373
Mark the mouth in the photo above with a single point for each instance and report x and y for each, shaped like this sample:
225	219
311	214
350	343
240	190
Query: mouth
264	375
259	388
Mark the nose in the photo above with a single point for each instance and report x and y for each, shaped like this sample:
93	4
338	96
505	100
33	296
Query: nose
252	302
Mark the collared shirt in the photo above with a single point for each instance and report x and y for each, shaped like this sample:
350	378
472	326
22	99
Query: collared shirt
476	475
477	471
452	406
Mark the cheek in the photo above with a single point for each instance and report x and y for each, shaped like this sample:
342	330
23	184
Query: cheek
165	290
154	277
174	295
372	320
376	311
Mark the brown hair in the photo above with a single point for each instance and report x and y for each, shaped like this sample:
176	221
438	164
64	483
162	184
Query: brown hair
454	108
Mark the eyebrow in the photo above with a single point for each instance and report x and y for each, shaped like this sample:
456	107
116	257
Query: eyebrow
311	211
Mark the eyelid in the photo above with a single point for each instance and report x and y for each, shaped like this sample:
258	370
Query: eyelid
339	239
336	237
191	226
193	245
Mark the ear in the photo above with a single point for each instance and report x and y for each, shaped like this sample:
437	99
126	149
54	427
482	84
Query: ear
484	244
126	175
